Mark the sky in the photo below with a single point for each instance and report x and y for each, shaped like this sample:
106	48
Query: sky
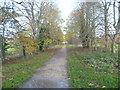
66	6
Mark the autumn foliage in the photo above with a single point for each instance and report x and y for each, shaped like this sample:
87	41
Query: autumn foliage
24	40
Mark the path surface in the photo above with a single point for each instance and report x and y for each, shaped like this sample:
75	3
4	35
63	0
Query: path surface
52	75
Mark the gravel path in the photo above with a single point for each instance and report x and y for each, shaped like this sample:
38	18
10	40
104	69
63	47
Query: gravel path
52	75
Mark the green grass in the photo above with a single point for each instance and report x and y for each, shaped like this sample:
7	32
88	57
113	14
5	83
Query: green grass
12	50
92	70
56	46
70	46
16	74
100	45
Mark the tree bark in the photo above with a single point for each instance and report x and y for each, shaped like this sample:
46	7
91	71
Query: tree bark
24	52
95	42
106	8
3	43
113	45
41	46
106	29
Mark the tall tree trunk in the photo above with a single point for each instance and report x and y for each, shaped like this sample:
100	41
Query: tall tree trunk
106	26
41	46
3	43
0	47
114	36
24	52
106	42
3	51
119	16
113	45
85	42
95	42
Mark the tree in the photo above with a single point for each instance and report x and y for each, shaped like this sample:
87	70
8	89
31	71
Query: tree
7	20
25	41
32	24
50	31
105	6
82	23
113	36
43	20
27	11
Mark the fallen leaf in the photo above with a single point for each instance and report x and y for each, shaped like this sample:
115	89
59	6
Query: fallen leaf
90	84
103	86
10	79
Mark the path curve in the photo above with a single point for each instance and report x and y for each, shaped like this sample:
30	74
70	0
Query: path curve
52	75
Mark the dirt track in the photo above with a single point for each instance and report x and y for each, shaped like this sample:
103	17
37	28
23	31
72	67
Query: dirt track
52	75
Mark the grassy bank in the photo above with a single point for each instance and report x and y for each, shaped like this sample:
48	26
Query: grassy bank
71	46
15	74
92	69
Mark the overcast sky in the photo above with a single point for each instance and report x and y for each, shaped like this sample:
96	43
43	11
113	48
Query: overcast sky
65	6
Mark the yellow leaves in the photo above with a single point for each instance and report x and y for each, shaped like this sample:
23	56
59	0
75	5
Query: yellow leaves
25	40
48	41
30	49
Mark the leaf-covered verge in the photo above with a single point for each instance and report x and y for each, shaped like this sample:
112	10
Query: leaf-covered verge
93	69
15	74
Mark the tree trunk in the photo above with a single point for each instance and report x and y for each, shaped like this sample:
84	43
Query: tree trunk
3	49
24	52
0	47
3	43
95	42
106	42
113	45
106	26
41	46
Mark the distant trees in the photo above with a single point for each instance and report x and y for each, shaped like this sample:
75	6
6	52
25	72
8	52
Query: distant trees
33	25
7	22
82	23
115	26
43	20
91	20
106	6
50	31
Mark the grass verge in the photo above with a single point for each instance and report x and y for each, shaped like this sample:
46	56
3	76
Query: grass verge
71	46
93	69
15	74
56	46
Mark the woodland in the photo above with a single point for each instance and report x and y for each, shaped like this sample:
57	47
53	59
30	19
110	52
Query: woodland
32	32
